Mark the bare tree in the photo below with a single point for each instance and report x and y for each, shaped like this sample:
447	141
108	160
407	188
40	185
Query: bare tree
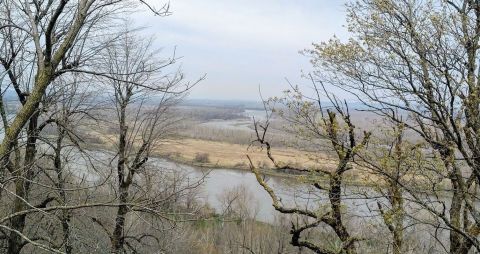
73	105
40	41
144	90
311	121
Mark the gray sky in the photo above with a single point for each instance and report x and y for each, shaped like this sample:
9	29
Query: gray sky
244	44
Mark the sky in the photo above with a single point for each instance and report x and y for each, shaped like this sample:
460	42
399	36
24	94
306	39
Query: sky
244	45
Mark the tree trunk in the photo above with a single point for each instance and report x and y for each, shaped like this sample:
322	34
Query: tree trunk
398	216
456	240
337	223
66	215
118	239
22	186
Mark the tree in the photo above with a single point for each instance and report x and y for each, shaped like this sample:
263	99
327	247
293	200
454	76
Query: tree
389	160
309	120
41	41
73	108
143	94
420	59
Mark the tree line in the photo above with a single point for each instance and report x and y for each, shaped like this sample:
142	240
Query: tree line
412	63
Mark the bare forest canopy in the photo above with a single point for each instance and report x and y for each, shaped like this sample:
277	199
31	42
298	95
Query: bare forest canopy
103	151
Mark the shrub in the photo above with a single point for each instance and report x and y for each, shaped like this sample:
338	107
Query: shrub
202	157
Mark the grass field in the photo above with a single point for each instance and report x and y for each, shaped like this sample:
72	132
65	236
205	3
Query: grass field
225	155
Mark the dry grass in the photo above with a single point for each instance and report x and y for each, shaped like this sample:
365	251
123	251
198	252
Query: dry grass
234	156
226	155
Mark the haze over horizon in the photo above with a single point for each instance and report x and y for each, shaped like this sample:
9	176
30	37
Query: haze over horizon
244	45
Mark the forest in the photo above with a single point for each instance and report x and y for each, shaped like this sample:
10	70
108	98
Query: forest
102	149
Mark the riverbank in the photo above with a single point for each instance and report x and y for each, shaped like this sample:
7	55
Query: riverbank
213	154
218	154
221	155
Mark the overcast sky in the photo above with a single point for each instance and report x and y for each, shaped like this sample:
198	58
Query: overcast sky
244	44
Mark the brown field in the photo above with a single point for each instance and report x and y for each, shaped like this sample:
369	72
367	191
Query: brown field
225	155
234	156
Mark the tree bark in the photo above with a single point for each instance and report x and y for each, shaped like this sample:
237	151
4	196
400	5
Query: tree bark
22	186
118	239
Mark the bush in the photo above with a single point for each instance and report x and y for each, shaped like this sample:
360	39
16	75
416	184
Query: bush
202	157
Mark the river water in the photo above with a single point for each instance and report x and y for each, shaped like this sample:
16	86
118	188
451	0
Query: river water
219	182
360	204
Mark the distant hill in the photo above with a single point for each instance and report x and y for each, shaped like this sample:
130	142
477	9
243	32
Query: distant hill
245	104
223	103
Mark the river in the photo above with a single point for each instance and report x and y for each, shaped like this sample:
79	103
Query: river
360	209
218	182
